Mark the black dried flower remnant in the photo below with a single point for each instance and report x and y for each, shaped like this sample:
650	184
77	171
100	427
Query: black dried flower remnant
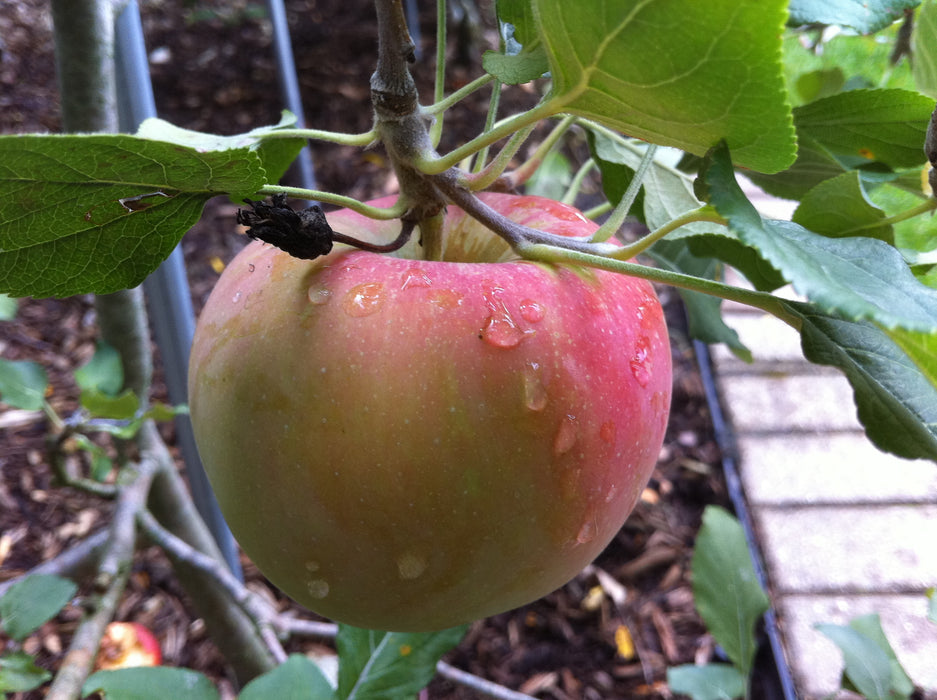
304	234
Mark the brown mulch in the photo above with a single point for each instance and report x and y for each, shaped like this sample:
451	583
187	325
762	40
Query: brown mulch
213	71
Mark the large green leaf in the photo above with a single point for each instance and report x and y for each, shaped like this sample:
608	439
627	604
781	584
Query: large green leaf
297	678
869	125
707	682
150	683
23	384
858	278
814	164
895	393
725	588
679	73
864	15
389	665
839	207
32	602
19	673
97	213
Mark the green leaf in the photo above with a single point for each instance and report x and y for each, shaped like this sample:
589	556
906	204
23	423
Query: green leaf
917	233
33	601
870	626
709	682
19	673
520	15
924	49
858	278
99	405
8	307
389	665
298	678
932	605
682	73
866	16
22	384
552	178
869	125
150	683
839	207
814	164
896	396
867	665
516	69
726	590
704	316
103	373
97	213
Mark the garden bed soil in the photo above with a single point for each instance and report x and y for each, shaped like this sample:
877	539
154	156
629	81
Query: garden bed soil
610	633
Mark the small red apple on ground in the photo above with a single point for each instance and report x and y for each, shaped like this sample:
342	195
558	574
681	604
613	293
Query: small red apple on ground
127	644
409	445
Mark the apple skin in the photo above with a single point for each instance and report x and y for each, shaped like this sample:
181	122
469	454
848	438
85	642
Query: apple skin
409	445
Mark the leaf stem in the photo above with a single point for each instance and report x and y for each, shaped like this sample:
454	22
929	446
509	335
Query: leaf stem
434	166
493	103
523	173
576	185
704	213
759	300
320	135
435	132
383	213
446	102
928	205
620	212
484	178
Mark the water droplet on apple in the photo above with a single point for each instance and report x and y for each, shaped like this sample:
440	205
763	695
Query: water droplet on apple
318	588
250	267
641	362
410	565
364	299
500	329
566	435
535	393
237	297
445	298
414	277
319	295
531	311
612	492
587	532
607	431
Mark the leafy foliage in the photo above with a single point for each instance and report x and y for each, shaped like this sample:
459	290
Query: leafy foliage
33	601
150	683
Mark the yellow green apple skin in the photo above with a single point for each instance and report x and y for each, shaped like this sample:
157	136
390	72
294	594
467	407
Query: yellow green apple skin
409	445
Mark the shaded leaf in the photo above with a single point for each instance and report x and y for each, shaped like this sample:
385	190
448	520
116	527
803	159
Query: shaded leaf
100	405
19	673
709	682
103	373
704	316
871	626
895	395
858	278
519	14
924	49
814	164
725	588
22	384
885	125
681	73
33	601
389	665
839	207
8	307
150	683
866	16
517	68
298	678
867	665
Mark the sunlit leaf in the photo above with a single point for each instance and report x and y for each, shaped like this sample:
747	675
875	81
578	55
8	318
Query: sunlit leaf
22	384
708	682
150	683
839	207
298	678
679	73
924	49
865	16
103	373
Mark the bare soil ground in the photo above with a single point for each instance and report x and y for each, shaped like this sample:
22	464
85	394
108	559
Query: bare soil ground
213	70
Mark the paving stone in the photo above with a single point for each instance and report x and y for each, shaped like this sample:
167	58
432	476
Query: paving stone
832	468
834	549
817	662
769	339
785	402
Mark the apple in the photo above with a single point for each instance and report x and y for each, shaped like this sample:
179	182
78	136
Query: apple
126	645
408	445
